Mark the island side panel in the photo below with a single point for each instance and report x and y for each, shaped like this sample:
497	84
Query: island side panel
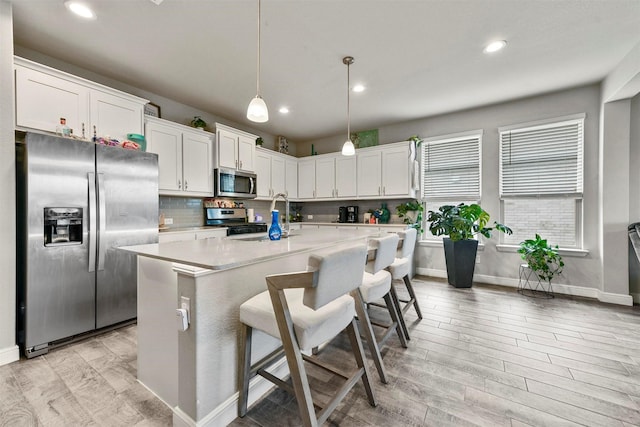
208	350
157	332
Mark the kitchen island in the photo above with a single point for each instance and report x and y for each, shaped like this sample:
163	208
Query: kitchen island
195	371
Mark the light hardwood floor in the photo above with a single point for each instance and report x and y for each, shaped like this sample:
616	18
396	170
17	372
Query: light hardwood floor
482	356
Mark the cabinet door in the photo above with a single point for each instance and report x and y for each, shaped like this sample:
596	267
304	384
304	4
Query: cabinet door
291	178
263	170
114	116
277	175
246	153
346	176
395	172
306	179
227	146
166	142
196	163
42	99
369	174
325	178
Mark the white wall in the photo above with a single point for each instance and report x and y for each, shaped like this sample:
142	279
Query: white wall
634	194
8	349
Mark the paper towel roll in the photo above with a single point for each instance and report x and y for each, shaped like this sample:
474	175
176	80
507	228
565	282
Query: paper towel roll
251	215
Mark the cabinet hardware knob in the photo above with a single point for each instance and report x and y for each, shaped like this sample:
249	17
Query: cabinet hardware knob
186	184
179	185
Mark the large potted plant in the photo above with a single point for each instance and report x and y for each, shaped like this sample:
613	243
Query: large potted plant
461	224
542	258
411	214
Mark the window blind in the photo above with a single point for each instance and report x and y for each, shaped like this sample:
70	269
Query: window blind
545	159
451	169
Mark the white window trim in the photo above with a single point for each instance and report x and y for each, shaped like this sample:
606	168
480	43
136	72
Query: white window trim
558	121
541	123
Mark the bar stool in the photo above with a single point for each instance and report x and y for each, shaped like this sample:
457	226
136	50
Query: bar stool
376	284
401	269
304	310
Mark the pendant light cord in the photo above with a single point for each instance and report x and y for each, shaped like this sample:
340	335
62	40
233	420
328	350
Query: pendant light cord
258	73
348	60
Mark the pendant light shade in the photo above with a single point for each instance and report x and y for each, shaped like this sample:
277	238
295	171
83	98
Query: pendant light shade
257	110
347	148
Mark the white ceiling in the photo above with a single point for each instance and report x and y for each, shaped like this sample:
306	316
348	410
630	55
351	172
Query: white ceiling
417	58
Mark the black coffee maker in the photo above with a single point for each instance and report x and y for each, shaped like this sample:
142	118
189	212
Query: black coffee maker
352	214
342	214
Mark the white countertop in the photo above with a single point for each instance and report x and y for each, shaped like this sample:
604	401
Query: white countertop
225	253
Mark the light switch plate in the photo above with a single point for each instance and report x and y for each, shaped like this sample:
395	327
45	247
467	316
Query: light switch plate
168	221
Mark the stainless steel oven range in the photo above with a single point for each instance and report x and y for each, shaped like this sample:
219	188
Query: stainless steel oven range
235	219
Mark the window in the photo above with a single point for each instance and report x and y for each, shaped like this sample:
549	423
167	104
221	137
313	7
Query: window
541	176
450	171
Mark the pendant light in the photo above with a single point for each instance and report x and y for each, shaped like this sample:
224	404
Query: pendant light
257	110
347	148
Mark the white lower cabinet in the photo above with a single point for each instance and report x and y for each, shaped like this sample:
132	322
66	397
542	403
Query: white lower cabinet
184	158
181	236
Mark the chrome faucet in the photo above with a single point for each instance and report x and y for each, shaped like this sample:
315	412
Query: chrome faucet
285	228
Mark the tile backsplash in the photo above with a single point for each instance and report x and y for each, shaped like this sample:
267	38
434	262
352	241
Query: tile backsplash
189	212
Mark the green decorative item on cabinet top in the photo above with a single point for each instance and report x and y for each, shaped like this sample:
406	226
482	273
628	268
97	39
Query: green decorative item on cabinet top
197	122
366	138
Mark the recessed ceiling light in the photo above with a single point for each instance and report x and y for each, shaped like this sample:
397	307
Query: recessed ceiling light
358	88
495	46
81	9
284	110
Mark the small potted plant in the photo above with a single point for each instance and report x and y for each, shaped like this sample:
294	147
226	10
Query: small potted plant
411	214
259	141
197	122
542	258
461	223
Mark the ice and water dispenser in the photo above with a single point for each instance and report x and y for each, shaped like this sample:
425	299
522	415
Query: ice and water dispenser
62	226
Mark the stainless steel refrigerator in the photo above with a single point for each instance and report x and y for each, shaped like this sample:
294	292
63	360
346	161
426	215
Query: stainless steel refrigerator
77	202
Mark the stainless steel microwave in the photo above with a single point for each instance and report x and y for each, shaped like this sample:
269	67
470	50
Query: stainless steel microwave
233	183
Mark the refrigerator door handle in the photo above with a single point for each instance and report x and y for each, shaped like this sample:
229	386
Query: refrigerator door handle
92	221
102	218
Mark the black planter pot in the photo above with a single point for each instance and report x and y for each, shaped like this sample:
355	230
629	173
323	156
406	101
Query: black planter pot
461	261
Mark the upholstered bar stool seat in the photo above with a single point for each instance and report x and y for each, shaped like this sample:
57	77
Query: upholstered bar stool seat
312	327
304	310
376	284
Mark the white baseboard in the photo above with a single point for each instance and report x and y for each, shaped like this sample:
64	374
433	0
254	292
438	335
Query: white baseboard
227	411
9	355
558	288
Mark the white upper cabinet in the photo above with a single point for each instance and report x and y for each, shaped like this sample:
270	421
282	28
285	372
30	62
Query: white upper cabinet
385	171
235	149
306	178
277	173
346	177
184	158
369	173
291	177
334	176
44	95
325	177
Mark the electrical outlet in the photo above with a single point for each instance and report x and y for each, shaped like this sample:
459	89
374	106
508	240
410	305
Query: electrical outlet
477	258
309	216
168	221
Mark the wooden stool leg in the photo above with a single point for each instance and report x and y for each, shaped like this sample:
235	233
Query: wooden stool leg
412	294
395	319
358	351
396	302
369	335
244	369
